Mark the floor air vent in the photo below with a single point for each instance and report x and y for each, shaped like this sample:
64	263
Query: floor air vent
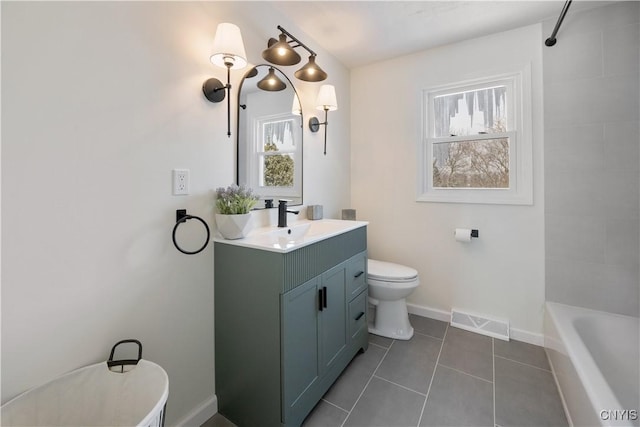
497	328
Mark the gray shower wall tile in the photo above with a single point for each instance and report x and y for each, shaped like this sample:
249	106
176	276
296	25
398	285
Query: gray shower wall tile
574	282
622	198
569	192
621	53
623	296
593	285
562	144
579	238
615	15
577	56
622	245
621	147
597	100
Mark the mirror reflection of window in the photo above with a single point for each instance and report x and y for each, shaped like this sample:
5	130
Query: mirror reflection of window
276	151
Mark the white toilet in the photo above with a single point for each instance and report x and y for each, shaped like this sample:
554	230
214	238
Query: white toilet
389	285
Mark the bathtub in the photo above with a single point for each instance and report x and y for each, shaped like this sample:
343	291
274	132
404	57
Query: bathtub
595	358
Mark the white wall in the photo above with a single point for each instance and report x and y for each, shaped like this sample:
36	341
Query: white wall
100	101
501	273
592	167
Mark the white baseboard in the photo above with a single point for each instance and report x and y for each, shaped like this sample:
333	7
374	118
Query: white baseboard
431	313
445	316
200	414
527	336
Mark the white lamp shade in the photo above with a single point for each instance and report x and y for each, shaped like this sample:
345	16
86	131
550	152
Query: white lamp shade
327	98
228	47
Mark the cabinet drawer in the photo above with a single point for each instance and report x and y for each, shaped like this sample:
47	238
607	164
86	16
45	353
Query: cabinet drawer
357	314
356	275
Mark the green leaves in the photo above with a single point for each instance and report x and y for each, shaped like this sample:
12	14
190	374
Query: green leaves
235	200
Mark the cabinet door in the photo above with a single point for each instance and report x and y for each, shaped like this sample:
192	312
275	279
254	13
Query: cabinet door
300	329
333	324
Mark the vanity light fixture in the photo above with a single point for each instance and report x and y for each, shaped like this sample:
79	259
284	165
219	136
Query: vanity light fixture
281	52
326	101
228	52
311	72
271	82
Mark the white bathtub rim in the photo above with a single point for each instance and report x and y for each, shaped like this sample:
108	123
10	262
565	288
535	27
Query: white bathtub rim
144	422
588	371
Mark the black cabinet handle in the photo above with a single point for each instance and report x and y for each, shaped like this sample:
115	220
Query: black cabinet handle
324	296
360	316
359	274
320	299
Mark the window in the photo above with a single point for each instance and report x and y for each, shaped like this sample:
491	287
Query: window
477	144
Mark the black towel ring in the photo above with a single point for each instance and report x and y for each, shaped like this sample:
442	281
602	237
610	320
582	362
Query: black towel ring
181	216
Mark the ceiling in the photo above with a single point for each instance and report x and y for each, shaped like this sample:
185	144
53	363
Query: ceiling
361	32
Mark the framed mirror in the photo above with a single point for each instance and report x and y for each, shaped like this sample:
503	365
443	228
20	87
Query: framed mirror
269	136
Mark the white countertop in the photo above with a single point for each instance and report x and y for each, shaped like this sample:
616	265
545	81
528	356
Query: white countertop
296	235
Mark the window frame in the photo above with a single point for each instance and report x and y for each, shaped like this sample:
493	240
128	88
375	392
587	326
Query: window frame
520	191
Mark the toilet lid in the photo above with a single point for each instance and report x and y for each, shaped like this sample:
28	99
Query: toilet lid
390	272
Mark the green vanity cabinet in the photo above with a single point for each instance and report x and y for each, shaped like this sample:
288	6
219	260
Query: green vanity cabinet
286	326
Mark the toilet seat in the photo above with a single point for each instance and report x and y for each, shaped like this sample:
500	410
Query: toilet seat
382	271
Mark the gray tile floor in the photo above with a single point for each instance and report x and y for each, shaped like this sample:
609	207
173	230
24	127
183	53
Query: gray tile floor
443	376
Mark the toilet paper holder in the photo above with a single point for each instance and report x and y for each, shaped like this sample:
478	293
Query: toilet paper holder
465	234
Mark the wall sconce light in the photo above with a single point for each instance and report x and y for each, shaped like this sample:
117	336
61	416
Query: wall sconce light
228	52
281	52
326	101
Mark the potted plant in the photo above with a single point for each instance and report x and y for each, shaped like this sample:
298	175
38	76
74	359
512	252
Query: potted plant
234	205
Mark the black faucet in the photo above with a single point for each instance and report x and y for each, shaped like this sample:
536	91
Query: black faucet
282	213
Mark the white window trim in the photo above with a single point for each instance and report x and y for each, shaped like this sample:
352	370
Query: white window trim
520	147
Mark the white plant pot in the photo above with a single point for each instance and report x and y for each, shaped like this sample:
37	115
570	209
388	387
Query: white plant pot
233	226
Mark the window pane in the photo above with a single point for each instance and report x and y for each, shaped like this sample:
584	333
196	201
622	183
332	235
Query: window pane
276	170
277	160
471	112
277	136
480	163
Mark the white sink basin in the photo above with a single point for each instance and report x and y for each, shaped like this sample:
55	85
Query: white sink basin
296	235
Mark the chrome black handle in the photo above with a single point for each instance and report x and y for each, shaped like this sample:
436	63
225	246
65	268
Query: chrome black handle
358	274
324	296
320	300
360	315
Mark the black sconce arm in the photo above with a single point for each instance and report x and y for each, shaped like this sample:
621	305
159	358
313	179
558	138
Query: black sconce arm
314	126
296	40
215	91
